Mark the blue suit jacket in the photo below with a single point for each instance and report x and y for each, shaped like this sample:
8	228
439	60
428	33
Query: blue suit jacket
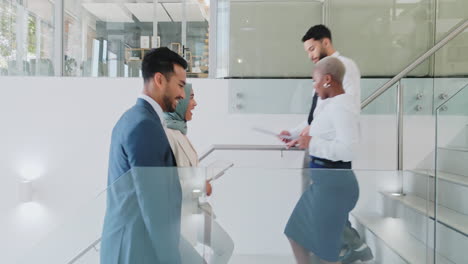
142	222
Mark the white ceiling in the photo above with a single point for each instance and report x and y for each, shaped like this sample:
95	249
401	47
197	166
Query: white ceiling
108	12
115	12
144	12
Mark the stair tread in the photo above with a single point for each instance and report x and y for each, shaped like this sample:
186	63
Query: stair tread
393	233
455	178
446	216
455	148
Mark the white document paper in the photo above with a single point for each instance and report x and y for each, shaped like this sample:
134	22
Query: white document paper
268	132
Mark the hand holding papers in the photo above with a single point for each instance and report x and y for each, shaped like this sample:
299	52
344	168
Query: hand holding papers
264	131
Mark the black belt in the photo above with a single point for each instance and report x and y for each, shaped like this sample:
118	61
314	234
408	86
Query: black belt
330	163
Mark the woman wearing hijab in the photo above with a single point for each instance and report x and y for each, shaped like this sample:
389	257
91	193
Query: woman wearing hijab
317	222
186	156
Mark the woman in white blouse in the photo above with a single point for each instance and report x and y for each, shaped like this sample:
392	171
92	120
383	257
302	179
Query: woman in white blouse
318	220
186	156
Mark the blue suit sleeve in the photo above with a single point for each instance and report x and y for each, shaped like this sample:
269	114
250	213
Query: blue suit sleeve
157	188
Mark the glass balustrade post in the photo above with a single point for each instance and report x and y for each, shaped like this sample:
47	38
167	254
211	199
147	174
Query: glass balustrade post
400	138
58	37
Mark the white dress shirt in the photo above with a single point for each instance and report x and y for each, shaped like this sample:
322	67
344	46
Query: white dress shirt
335	130
351	85
156	108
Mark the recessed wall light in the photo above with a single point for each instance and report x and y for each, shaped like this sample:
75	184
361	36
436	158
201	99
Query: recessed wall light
25	191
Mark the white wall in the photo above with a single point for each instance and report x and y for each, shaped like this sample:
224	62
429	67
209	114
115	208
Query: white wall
57	130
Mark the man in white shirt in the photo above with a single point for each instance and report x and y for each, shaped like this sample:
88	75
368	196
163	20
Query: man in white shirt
318	45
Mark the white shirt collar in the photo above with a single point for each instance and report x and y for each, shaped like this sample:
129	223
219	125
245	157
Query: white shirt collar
156	108
335	54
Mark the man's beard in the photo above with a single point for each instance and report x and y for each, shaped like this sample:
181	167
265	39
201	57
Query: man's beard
168	104
322	55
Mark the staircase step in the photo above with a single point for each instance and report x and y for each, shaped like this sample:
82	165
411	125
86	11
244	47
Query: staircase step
453	160
450	218
393	232
445	176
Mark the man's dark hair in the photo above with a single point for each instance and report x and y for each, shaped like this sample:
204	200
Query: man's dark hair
317	32
161	60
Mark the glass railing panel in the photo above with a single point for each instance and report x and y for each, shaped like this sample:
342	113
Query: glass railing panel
418	122
403	30
405	195
88	235
277	204
394	32
262	32
449	14
27	38
253	205
451	60
294	96
424	88
451	177
253	212
415	156
385	104
400	32
450	104
198	47
110	39
378	133
285	96
444	88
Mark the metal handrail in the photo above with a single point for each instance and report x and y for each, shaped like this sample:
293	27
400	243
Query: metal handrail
246	147
455	32
397	79
84	251
205	154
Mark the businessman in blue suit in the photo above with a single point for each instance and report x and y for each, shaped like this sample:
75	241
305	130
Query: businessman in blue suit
142	222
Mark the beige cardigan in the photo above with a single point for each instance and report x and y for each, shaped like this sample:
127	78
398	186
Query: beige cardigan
184	153
190	177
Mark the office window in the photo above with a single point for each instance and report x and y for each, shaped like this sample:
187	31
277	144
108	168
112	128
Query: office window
110	38
26	38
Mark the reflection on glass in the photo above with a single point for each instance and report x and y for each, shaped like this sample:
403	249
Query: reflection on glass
197	45
110	39
26	37
382	36
254	206
449	208
452	59
264	37
385	36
